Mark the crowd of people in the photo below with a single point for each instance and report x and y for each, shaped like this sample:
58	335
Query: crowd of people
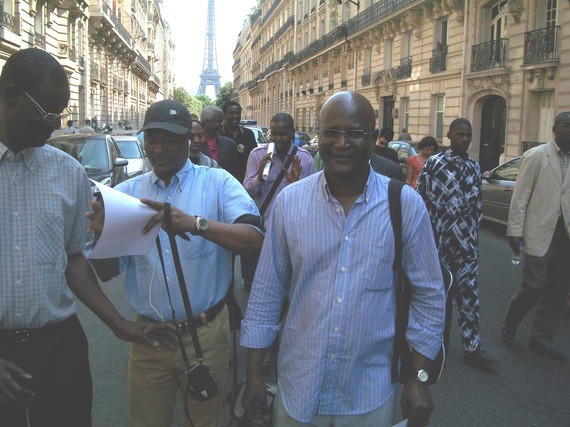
302	227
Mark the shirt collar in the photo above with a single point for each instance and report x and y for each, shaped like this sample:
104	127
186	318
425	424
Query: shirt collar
179	179
364	197
28	154
559	151
457	156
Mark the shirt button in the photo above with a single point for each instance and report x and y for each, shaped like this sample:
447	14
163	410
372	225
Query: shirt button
338	209
16	213
168	279
339	300
337	329
333	356
345	237
343	269
167	251
17	248
18	282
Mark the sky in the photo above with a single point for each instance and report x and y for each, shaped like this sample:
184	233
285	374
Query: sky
188	20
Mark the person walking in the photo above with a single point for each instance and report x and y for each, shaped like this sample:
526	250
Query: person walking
539	221
426	147
450	184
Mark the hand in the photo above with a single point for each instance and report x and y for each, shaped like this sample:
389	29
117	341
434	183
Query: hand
11	389
295	171
515	244
181	221
96	218
264	160
254	398
153	334
416	403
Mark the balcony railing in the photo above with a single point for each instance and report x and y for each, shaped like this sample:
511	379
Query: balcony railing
540	45
40	40
365	79
527	145
438	61
405	68
9	22
486	56
343	83
95	72
375	13
324	42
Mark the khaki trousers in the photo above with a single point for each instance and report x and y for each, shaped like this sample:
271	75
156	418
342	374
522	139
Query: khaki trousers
156	376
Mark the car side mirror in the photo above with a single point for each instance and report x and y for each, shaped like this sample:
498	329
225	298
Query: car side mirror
119	161
486	175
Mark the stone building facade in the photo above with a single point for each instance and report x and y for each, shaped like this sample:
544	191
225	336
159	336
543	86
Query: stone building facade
118	54
503	64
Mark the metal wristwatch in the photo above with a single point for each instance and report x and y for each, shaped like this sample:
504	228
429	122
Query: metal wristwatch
422	376
201	225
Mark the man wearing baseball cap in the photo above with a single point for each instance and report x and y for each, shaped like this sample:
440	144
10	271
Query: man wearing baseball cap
215	209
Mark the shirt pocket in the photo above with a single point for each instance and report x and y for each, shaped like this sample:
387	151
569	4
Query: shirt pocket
196	247
50	248
379	275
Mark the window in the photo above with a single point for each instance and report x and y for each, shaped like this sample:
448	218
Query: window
405	109
545	13
499	14
441	32
508	171
406	47
439	113
388	54
546	116
367	60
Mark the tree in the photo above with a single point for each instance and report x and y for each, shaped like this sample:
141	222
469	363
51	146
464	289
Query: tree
193	104
225	94
204	99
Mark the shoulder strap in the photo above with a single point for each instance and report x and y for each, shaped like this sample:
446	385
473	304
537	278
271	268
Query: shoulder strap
277	181
394	200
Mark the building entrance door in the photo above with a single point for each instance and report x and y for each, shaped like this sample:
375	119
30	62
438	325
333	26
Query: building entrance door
387	119
493	123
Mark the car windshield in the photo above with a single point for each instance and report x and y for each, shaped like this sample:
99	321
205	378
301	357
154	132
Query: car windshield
129	149
91	153
508	171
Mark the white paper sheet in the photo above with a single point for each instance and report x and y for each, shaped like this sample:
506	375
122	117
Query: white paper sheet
401	423
125	217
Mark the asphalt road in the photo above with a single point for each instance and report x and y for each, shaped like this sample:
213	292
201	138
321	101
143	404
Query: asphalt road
525	389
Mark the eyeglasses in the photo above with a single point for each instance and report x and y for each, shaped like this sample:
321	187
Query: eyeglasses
563	125
351	135
48	117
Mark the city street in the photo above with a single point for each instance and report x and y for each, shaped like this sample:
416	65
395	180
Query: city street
525	390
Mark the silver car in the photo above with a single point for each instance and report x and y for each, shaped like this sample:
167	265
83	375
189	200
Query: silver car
498	186
131	149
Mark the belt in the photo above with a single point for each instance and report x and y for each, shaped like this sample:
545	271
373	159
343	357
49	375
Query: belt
202	319
25	335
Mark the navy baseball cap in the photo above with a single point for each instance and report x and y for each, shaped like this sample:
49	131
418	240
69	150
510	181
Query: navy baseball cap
169	115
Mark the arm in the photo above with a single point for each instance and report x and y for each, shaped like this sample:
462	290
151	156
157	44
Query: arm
254	396
12	388
416	402
82	281
524	188
238	238
253	174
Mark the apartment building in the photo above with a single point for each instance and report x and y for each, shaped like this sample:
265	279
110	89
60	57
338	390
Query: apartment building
117	54
503	64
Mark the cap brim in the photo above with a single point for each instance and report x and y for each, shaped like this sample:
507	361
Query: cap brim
170	127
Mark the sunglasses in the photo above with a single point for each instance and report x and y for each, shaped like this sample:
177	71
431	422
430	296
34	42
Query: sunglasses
48	117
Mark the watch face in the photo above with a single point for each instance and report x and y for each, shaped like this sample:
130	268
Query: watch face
422	376
202	224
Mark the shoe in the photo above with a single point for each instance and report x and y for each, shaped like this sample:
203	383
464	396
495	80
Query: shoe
546	349
508	336
479	358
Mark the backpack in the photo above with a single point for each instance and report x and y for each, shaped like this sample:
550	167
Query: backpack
402	353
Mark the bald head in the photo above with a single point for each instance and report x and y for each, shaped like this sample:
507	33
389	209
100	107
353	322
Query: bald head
211	118
561	131
343	103
209	112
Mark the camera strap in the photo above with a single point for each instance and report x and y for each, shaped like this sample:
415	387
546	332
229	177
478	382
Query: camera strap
183	290
277	181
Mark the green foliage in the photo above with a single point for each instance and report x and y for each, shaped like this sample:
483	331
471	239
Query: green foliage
205	100
225	94
193	103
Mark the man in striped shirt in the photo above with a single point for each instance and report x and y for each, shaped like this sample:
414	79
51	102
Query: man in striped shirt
329	251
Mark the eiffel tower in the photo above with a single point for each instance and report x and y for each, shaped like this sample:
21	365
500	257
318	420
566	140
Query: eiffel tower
210	76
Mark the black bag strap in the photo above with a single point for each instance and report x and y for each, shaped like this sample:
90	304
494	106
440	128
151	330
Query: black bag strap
182	283
277	181
394	201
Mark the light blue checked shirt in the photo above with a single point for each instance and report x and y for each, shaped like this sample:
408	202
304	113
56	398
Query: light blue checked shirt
44	194
336	347
197	190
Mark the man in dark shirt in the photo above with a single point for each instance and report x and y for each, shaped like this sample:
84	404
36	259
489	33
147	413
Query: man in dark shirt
381	148
219	148
243	137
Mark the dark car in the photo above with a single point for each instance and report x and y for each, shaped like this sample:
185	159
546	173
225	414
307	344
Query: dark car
99	155
498	186
302	139
131	149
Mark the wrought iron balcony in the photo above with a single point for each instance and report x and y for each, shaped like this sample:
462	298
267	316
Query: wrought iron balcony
405	68
40	40
8	21
324	42
375	13
95	71
486	56
331	86
527	145
365	79
343	83
438	61
540	45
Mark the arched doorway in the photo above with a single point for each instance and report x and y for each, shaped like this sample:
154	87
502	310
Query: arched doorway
493	123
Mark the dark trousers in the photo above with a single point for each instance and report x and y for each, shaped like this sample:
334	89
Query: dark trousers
57	358
546	281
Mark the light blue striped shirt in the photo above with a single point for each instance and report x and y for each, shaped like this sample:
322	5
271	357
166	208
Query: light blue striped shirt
336	270
197	190
44	194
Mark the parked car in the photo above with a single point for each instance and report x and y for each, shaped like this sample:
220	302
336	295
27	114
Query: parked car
132	150
259	135
404	149
99	155
498	186
302	139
